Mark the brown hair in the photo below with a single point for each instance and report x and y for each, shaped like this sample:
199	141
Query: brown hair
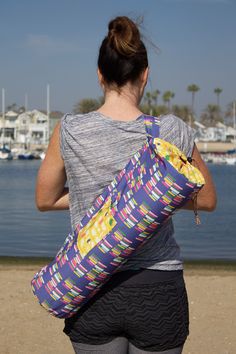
122	55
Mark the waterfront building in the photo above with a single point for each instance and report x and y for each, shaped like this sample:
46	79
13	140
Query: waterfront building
28	129
32	128
7	128
219	133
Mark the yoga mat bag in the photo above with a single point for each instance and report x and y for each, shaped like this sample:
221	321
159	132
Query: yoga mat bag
156	181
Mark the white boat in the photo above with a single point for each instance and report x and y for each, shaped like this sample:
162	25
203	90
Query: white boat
5	154
207	158
230	160
218	159
22	154
27	155
42	155
226	159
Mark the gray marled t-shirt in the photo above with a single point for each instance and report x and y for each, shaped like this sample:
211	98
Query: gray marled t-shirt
94	149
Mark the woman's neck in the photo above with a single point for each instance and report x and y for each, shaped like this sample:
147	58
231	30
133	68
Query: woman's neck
121	106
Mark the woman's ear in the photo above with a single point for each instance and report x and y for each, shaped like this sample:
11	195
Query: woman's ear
144	76
100	78
143	81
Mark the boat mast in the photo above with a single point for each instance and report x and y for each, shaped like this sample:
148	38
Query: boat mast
234	125
26	102
3	115
48	111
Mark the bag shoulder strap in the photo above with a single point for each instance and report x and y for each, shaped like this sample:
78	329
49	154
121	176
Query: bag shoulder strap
152	125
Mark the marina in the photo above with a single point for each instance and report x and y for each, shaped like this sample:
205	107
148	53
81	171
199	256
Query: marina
7	154
25	135
227	158
26	232
220	159
20	154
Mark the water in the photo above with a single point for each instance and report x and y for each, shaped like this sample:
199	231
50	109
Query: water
24	231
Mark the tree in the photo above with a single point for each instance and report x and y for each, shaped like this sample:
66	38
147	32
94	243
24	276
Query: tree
15	108
229	114
211	115
160	110
21	109
148	99
193	89
167	96
182	111
12	107
218	91
87	105
155	95
101	100
56	114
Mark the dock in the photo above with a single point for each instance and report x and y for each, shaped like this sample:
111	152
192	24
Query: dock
216	147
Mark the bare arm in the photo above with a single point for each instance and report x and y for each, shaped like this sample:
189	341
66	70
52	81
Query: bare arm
206	198
51	193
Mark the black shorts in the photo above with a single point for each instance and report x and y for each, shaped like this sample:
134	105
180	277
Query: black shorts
148	307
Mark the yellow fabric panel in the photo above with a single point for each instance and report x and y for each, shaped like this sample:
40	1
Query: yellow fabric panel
178	160
97	228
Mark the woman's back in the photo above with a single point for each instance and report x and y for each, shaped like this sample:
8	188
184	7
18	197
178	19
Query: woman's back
95	148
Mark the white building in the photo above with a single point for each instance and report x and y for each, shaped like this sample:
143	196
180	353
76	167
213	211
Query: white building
220	132
30	127
7	126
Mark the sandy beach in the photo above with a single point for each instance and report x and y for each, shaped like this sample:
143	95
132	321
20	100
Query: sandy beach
26	328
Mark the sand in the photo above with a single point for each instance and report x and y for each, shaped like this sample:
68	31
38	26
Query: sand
26	328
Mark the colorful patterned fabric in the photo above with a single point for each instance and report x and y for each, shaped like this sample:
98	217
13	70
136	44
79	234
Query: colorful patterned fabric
156	182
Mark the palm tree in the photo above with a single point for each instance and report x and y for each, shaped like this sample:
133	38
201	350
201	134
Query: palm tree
218	91
86	105
12	107
229	114
167	96
182	111
148	99
160	110
193	89
155	95
211	115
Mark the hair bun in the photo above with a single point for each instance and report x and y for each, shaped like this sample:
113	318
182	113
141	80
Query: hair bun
124	36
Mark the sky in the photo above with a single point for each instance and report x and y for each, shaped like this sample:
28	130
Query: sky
56	42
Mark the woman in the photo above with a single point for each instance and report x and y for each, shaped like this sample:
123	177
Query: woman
144	307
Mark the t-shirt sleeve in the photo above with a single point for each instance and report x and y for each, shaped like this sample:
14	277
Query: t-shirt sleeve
64	134
177	132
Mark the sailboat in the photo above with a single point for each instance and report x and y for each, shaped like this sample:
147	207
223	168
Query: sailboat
5	153
230	159
26	155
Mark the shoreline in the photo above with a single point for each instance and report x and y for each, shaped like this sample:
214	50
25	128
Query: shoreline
38	259
191	266
207	146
